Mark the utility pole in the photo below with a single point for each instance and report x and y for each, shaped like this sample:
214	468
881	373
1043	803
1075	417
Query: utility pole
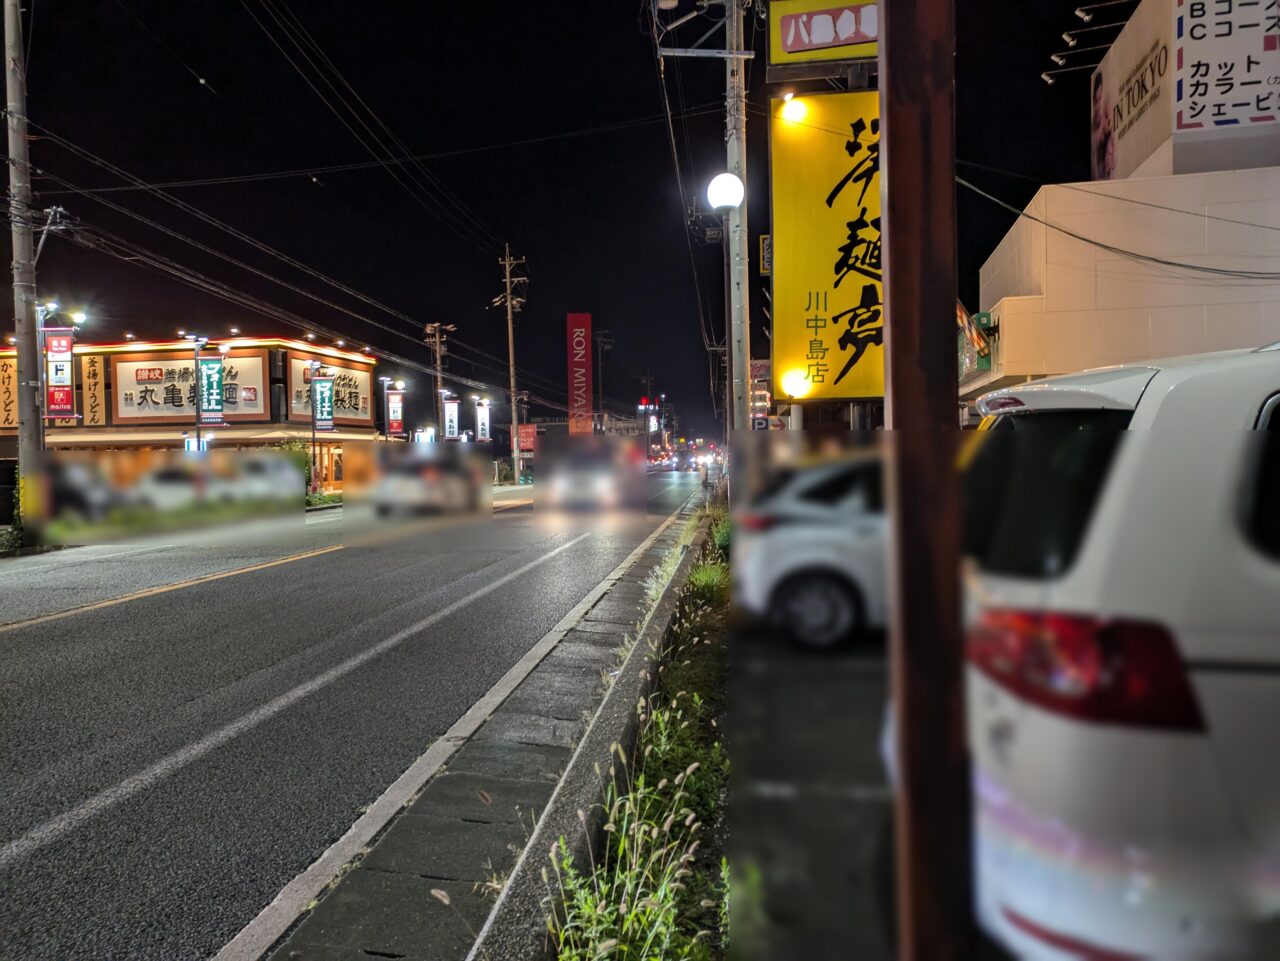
24	268
513	304
436	338
739	346
604	342
917	150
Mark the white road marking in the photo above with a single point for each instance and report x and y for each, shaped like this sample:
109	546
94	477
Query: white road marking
264	930
68	821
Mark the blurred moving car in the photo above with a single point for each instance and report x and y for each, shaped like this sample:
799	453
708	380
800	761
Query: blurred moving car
590	474
809	552
1124	661
426	484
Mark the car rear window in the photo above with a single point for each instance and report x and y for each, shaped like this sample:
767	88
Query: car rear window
845	484
1263	523
1032	487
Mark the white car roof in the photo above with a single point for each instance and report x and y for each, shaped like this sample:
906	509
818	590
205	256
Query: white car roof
1120	387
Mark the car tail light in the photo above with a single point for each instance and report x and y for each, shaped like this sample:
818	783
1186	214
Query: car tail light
1004	402
756	522
1105	672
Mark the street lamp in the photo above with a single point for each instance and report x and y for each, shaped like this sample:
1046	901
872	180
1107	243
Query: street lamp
482	417
725	191
314	366
386	408
45	311
197	344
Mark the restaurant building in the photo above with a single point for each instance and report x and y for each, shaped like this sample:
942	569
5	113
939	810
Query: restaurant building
141	396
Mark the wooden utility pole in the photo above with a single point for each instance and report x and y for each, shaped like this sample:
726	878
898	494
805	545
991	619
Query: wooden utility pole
24	265
436	338
604	342
917	117
513	303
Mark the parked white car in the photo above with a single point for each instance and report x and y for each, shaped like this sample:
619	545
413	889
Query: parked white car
269	477
809	552
1124	661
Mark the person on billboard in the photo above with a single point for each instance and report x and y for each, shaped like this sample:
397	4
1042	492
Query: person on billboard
1102	141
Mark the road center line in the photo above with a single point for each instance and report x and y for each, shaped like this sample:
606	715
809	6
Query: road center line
164	589
68	821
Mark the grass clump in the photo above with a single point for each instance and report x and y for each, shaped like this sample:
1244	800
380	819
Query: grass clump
653	890
709	584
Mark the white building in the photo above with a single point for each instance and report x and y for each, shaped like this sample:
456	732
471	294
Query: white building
1171	260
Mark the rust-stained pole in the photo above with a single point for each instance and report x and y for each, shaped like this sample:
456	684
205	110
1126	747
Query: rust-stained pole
917	106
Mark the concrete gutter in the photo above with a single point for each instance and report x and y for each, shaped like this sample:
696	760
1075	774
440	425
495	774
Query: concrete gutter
516	928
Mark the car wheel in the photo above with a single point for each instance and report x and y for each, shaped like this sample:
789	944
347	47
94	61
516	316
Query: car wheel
817	609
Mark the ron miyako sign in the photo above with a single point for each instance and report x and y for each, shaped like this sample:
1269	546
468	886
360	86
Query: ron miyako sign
579	340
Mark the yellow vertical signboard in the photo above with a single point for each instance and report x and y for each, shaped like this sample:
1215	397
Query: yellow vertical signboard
828	318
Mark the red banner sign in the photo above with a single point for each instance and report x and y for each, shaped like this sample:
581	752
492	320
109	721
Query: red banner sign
395	412
579	337
61	402
528	435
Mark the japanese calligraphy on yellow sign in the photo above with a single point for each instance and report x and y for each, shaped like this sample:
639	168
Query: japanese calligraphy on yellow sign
828	318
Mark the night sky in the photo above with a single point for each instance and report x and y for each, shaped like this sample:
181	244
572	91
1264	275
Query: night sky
596	214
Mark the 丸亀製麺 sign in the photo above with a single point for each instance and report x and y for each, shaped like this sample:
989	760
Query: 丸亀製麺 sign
352	389
482	422
828	314
160	388
321	395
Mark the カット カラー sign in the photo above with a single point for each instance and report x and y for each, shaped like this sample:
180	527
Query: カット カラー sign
828	313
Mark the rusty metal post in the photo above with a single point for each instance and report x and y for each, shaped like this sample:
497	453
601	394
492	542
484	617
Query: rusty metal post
917	106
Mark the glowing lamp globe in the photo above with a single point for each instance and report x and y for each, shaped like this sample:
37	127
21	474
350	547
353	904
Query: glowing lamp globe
725	190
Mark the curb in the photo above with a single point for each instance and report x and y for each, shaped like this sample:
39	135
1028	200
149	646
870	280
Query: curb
516	927
361	894
324	507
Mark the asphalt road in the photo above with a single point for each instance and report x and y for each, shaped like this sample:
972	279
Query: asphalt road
173	759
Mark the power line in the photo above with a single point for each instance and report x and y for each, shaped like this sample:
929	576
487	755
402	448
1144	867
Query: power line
400	160
428	203
168	49
704	326
1118	197
430	177
1260	275
212	221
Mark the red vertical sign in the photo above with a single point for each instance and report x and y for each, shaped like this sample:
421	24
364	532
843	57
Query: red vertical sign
579	337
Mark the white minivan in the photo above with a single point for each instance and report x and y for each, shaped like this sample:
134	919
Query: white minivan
1124	661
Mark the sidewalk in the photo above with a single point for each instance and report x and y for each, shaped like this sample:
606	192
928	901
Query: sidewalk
427	883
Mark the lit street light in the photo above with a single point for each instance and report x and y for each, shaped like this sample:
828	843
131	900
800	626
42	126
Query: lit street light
725	192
